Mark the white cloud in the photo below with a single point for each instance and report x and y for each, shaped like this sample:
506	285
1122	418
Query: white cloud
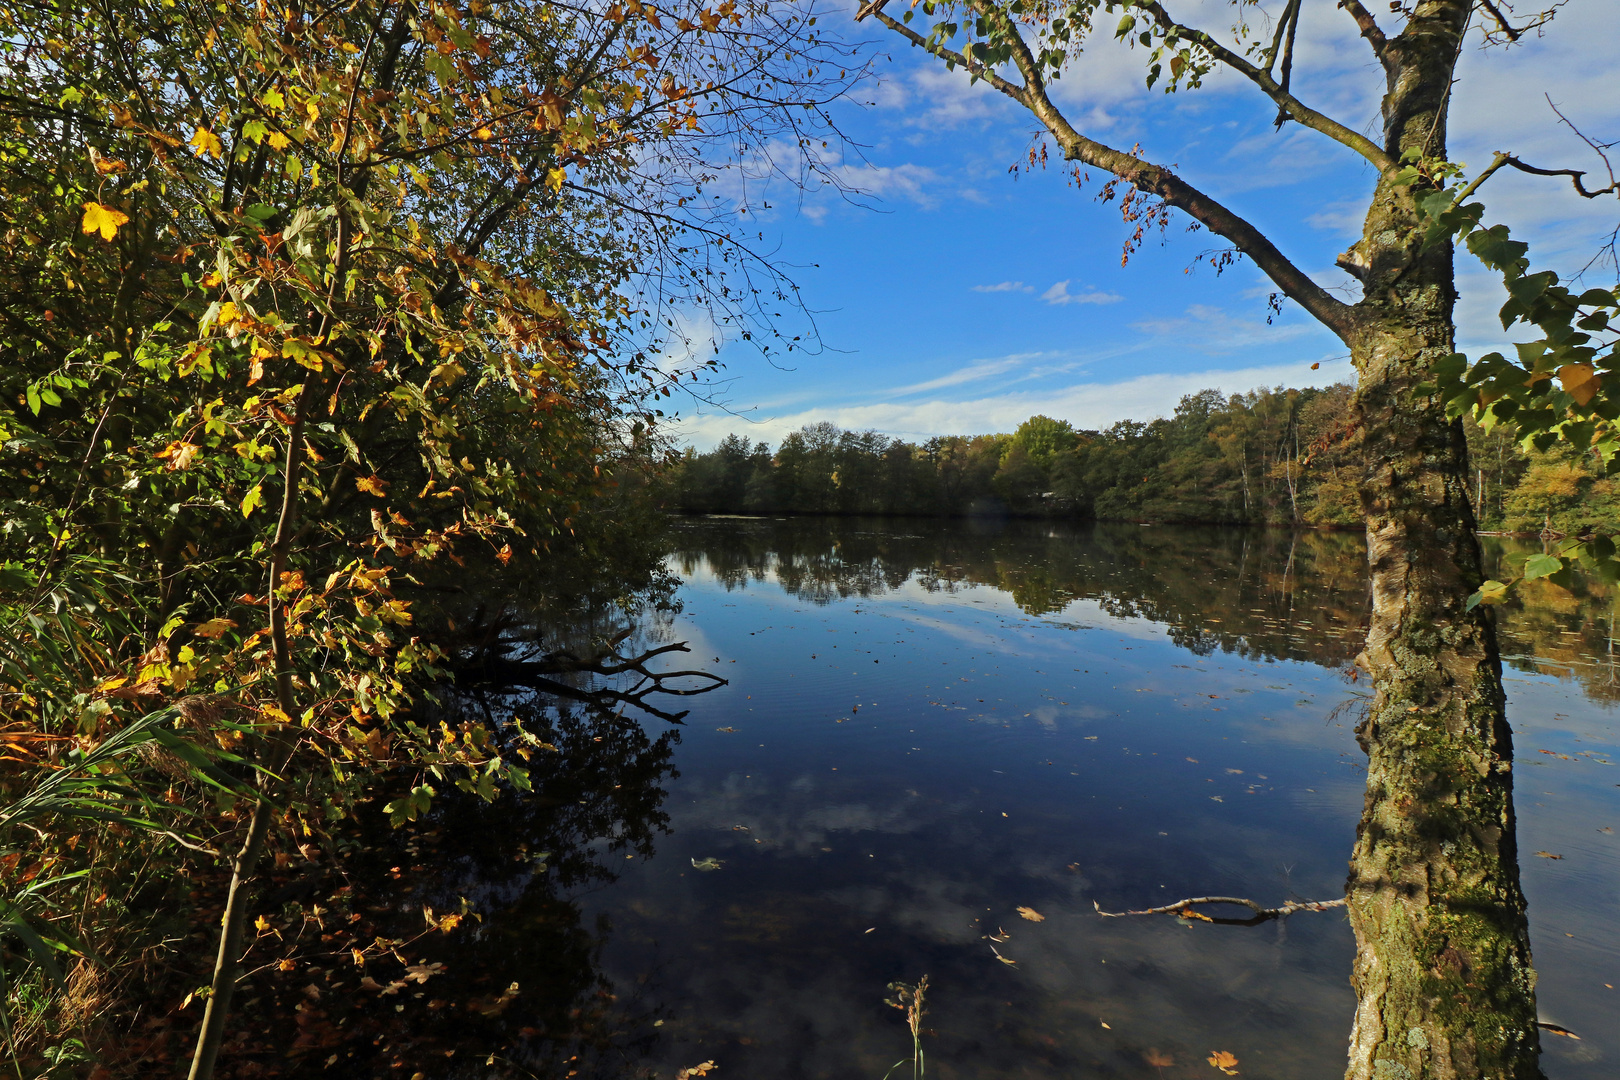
1211	330
1005	286
1059	294
1085	405
913	183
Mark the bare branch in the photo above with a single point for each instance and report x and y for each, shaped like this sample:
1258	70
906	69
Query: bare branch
1573	174
1368	26
1261	914
1152	179
1288	105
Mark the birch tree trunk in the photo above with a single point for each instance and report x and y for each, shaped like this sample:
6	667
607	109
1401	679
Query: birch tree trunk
1442	973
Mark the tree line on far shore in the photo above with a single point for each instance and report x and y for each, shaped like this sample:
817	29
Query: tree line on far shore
1270	456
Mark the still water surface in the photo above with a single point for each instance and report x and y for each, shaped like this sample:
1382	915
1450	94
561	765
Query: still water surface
929	726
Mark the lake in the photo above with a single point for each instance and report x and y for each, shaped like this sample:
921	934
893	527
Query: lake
943	744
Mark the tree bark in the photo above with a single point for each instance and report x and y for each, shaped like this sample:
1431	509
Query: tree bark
1442	973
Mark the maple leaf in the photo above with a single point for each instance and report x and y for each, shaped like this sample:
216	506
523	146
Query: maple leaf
696	1070
421	973
374	484
278	141
103	219
207	142
177	455
213	629
1031	914
1224	1061
1158	1059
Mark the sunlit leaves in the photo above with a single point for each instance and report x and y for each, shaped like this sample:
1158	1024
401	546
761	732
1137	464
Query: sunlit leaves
206	142
105	220
1224	1061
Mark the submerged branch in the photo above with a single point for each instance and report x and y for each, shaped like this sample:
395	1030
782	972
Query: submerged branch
1261	914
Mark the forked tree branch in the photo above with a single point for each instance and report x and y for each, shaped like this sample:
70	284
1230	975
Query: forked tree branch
1144	175
1289	105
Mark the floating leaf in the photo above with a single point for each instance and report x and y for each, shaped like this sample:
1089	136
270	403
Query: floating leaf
1223	1061
1548	855
710	863
1158	1059
1031	914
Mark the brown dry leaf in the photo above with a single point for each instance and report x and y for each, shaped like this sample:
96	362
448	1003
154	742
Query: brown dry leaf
376	485
1157	1059
1556	1030
214	628
1548	855
1191	914
421	973
696	1070
1223	1061
1031	914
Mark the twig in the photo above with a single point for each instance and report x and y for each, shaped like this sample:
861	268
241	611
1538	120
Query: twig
1261	914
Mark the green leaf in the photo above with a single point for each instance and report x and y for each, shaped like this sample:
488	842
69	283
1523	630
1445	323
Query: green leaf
1540	566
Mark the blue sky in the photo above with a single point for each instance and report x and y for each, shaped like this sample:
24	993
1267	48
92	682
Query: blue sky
956	298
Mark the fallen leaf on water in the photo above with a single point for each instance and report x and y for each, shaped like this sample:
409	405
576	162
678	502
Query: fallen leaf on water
1548	855
1157	1059
1031	914
1223	1061
423	972
725	729
1074	868
1104	1023
710	863
1193	760
1556	1030
1191	914
696	1070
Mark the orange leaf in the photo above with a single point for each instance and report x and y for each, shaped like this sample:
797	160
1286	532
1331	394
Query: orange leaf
376	485
1031	914
1581	381
1223	1061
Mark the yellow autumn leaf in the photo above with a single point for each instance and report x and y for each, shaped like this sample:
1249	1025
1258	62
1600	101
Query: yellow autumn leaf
278	141
103	219
376	485
177	455
1031	914
214	628
1223	1061
207	142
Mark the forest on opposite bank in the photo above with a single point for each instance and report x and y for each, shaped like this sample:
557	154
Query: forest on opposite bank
1270	456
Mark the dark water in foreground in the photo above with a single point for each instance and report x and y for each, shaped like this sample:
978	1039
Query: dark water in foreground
930	726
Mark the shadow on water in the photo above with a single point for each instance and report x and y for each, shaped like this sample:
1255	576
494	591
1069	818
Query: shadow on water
1043	719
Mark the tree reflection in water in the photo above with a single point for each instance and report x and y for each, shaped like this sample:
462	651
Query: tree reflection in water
526	865
520	992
